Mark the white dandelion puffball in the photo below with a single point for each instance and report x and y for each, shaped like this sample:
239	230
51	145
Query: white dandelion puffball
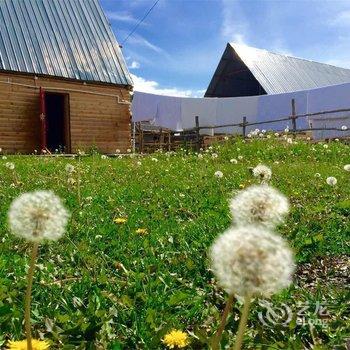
10	166
331	181
259	204
70	168
344	127
233	161
251	261
38	215
263	172
218	174
347	167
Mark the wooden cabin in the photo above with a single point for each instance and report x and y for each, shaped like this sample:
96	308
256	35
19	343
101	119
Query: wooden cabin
64	84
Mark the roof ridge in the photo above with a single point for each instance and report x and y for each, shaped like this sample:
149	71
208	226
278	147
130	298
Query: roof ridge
233	44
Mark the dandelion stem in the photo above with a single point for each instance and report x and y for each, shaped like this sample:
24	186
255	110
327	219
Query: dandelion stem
28	299
228	307
243	322
78	184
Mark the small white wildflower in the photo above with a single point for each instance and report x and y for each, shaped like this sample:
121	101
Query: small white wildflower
218	174
154	159
347	167
249	135
263	131
200	155
233	161
214	155
317	175
277	134
331	181
70	168
251	261
268	136
38	215
117	151
103	156
259	204
4	157
261	135
289	140
263	172
10	165
286	130
344	127
240	157
128	150
325	146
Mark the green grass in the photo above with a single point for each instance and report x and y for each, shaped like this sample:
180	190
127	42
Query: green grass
103	286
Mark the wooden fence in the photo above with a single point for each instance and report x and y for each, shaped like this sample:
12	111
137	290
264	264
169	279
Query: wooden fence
193	138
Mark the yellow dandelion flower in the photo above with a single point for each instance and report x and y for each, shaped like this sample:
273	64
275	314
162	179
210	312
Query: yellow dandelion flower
141	231
22	345
176	339
120	220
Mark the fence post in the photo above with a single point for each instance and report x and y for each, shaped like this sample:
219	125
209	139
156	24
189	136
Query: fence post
244	126
198	146
293	117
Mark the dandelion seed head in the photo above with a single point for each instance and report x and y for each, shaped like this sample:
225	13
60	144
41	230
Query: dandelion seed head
331	181
218	174
251	260
38	215
233	161
10	165
262	172
347	167
260	204
69	168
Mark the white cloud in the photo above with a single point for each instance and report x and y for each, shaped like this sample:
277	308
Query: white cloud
152	87
234	24
341	19
134	65
140	40
121	16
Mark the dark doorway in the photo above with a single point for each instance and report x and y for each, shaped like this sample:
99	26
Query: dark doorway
57	122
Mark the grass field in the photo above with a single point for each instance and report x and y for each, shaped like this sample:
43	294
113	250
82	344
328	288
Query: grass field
112	286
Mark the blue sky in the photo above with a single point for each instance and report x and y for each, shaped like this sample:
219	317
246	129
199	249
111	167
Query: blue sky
177	48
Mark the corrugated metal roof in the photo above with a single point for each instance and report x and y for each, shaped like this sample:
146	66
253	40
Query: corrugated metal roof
69	39
277	73
281	73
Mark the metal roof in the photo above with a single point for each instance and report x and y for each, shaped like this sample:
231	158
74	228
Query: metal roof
277	73
69	39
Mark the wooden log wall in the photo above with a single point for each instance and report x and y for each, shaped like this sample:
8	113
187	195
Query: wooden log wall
95	120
